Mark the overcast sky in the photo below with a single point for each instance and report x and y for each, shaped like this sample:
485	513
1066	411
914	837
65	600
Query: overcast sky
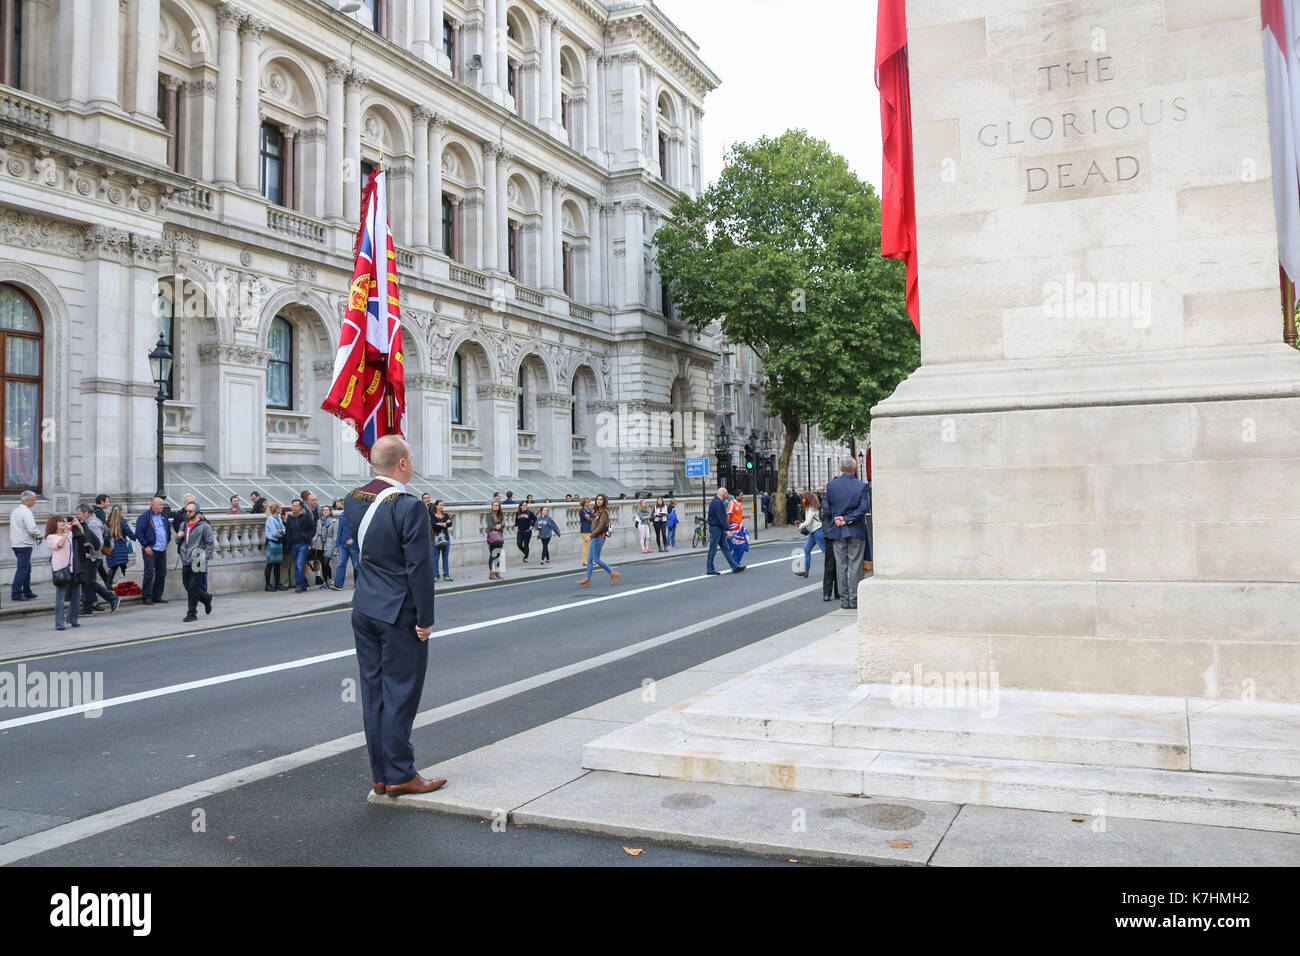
784	64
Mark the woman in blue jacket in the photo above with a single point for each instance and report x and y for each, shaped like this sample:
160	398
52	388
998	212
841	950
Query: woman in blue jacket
546	527
119	533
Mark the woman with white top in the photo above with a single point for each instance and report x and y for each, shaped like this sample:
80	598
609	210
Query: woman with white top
660	521
812	523
644	514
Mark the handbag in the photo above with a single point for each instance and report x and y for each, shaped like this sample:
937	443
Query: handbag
62	578
495	537
274	551
106	550
440	540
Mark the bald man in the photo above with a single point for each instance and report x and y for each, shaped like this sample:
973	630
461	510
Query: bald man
392	613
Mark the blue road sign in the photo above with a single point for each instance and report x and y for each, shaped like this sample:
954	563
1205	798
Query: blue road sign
697	467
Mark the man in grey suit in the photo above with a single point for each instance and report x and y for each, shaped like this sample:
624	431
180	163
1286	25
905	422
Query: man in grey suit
392	613
848	501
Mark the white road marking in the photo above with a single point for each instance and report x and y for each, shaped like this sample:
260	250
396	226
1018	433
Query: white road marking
95	824
167	691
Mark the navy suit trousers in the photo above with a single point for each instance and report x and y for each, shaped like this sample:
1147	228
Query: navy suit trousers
393	662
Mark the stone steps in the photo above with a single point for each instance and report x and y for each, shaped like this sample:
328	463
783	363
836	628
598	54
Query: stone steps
658	747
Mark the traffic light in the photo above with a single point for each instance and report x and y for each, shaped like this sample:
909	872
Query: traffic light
749	456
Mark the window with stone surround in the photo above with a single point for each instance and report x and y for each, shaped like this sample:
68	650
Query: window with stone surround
20	390
271	160
512	249
449	227
279	369
11	43
457	389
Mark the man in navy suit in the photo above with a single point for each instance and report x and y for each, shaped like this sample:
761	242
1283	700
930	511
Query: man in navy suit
848	501
718	524
392	613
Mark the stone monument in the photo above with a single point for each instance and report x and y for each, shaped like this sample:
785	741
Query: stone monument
1091	482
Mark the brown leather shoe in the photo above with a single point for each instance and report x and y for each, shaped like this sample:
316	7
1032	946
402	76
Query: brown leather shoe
379	788
416	784
585	582
613	578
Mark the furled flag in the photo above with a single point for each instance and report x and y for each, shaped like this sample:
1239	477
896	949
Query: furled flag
1282	77
369	387
898	198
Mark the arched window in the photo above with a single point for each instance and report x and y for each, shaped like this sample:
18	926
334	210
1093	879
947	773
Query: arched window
20	388
457	389
520	423
279	370
573	409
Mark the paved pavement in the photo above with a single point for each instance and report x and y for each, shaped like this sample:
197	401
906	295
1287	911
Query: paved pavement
253	731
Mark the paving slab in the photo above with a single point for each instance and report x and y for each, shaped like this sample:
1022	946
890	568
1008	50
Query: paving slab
809	827
499	777
1234	736
996	836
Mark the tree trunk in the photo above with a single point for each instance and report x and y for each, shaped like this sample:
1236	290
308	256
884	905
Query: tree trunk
790	422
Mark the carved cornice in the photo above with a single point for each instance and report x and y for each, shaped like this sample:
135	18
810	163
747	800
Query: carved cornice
28	231
506	393
356	80
554	400
105	242
245	356
253	27
230	15
199	88
422	115
337	70
430	383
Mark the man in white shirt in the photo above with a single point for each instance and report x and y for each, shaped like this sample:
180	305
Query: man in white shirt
23	536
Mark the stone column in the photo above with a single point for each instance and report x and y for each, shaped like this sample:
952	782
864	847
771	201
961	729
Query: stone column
352	87
528	87
457	230
229	17
596	258
631	108
652	104
335	73
547	277
290	163
503	232
420	213
105	53
632	279
436	125
199	129
436	19
503	55
171	110
545	107
488	74
142	33
74	66
490	224
557	224
593	106
420	40
250	35
556	28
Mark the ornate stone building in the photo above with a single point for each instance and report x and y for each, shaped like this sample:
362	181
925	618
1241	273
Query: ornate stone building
193	169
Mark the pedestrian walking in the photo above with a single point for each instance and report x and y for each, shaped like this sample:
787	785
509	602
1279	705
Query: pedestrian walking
440	525
599	532
849	502
659	519
152	533
325	544
524	522
195	541
644	520
670	527
274	532
718	523
23	536
89	532
812	527
58	535
392	614
120	536
299	530
767	509
496	539
546	528
584	526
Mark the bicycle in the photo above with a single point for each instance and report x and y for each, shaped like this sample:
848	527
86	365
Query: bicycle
701	536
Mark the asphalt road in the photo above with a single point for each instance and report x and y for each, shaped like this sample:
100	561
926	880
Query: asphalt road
199	722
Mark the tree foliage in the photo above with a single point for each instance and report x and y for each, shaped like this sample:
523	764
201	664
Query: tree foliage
783	250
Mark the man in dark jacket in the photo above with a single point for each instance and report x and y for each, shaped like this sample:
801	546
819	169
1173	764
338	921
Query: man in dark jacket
849	503
299	529
153	531
718	523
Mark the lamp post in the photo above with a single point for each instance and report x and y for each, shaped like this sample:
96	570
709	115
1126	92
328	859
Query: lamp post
160	364
721	444
765	445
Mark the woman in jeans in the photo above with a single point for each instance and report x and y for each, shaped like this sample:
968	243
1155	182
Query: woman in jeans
644	515
812	523
496	539
546	527
119	531
440	523
670	527
58	535
599	532
660	521
584	526
326	544
273	531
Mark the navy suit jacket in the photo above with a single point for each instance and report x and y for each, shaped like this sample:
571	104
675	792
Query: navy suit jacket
718	513
395	579
849	498
144	528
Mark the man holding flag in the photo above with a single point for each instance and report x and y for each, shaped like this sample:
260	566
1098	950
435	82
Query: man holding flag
392	609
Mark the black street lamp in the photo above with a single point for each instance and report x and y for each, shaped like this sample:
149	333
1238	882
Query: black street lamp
722	444
160	364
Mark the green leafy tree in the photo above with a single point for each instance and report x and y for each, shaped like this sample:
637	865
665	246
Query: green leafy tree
783	250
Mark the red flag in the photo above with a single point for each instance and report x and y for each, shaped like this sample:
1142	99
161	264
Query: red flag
898	198
369	387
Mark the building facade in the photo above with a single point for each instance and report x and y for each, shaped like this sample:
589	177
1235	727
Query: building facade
193	170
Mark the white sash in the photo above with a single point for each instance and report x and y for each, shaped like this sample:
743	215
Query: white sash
370	513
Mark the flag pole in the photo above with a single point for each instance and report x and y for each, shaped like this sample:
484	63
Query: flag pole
1288	310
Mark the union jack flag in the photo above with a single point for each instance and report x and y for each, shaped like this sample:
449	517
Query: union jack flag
369	389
